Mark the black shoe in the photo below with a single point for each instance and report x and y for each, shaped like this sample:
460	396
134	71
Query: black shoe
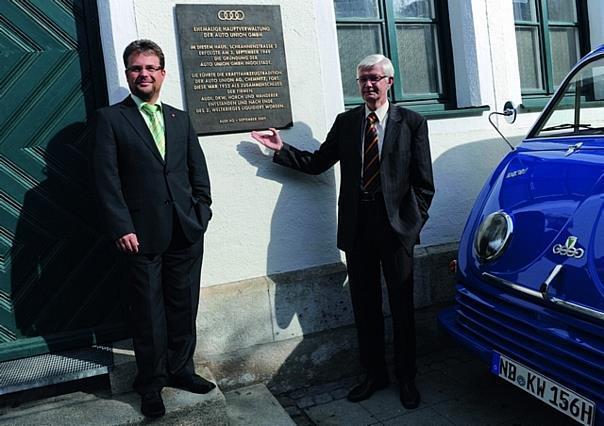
367	388
409	395
194	383
152	405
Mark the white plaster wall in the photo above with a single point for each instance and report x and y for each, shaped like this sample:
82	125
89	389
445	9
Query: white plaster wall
118	28
464	153
269	219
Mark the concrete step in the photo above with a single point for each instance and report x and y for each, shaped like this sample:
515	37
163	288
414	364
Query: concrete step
119	405
182	408
102	408
255	405
252	405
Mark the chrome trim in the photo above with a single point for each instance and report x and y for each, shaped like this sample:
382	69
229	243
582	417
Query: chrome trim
544	296
540	138
578	308
510	284
550	278
572	148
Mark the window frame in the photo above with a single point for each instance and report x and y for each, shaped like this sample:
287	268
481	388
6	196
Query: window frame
388	22
537	98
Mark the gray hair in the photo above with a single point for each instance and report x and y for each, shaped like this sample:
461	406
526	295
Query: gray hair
377	59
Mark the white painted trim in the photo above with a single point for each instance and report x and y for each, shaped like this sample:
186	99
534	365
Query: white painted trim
471	60
595	12
330	59
484	53
503	53
118	28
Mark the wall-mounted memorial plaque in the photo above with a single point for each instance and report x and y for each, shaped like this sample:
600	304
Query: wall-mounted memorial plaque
234	67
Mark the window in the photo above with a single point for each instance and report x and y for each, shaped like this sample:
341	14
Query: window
412	33
550	38
583	115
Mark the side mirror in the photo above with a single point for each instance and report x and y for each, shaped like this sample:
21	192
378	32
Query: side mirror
509	113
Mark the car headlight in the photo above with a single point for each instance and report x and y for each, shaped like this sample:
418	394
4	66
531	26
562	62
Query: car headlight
493	236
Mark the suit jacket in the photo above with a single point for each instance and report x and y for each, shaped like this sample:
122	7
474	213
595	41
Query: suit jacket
405	171
139	191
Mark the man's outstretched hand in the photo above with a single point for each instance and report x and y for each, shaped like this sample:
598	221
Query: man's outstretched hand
270	140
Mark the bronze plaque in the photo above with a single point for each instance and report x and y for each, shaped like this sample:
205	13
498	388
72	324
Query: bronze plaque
234	67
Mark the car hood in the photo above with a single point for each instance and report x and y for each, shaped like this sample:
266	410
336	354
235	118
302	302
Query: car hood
555	198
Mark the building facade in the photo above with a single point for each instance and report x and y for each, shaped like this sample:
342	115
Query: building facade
271	269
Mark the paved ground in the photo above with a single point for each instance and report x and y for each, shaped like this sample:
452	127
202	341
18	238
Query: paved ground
456	389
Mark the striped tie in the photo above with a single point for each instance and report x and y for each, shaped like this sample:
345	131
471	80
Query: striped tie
371	162
155	127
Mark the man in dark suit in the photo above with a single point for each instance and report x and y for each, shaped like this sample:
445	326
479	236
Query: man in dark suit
152	182
385	191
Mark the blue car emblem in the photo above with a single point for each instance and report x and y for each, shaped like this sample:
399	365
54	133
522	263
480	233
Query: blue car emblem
569	249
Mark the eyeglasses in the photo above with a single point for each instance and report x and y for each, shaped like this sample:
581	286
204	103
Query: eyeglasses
137	69
371	78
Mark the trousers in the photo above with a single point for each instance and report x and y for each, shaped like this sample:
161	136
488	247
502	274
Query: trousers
163	297
377	249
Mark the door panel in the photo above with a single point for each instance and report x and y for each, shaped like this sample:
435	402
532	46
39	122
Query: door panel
60	279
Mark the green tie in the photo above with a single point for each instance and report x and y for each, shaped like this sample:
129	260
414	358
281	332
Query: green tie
155	127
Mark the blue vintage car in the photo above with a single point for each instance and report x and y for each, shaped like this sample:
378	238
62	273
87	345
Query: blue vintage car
530	268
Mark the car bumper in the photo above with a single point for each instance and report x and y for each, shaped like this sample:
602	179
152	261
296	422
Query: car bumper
567	349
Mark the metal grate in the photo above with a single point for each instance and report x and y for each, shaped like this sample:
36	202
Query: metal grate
49	369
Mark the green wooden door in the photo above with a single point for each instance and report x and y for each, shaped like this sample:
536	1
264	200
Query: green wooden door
60	280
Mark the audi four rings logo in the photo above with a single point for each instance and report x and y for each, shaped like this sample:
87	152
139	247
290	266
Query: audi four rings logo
231	15
569	249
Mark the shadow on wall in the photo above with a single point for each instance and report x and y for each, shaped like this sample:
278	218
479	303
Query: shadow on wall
64	275
459	175
303	223
303	235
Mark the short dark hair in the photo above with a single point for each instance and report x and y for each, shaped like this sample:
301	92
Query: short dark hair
143	46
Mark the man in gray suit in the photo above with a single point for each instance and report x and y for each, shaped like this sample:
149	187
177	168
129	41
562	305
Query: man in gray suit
385	192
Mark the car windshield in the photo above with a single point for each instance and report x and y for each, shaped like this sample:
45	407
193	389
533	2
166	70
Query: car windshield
580	110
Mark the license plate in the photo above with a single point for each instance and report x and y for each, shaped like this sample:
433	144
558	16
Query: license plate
554	394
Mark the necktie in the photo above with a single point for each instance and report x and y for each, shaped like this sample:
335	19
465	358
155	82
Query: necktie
371	156
155	127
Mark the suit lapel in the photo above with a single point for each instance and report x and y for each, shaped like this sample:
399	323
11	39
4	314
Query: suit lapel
358	128
170	126
393	128
136	120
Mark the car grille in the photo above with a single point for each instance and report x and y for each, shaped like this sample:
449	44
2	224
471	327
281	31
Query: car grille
564	348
